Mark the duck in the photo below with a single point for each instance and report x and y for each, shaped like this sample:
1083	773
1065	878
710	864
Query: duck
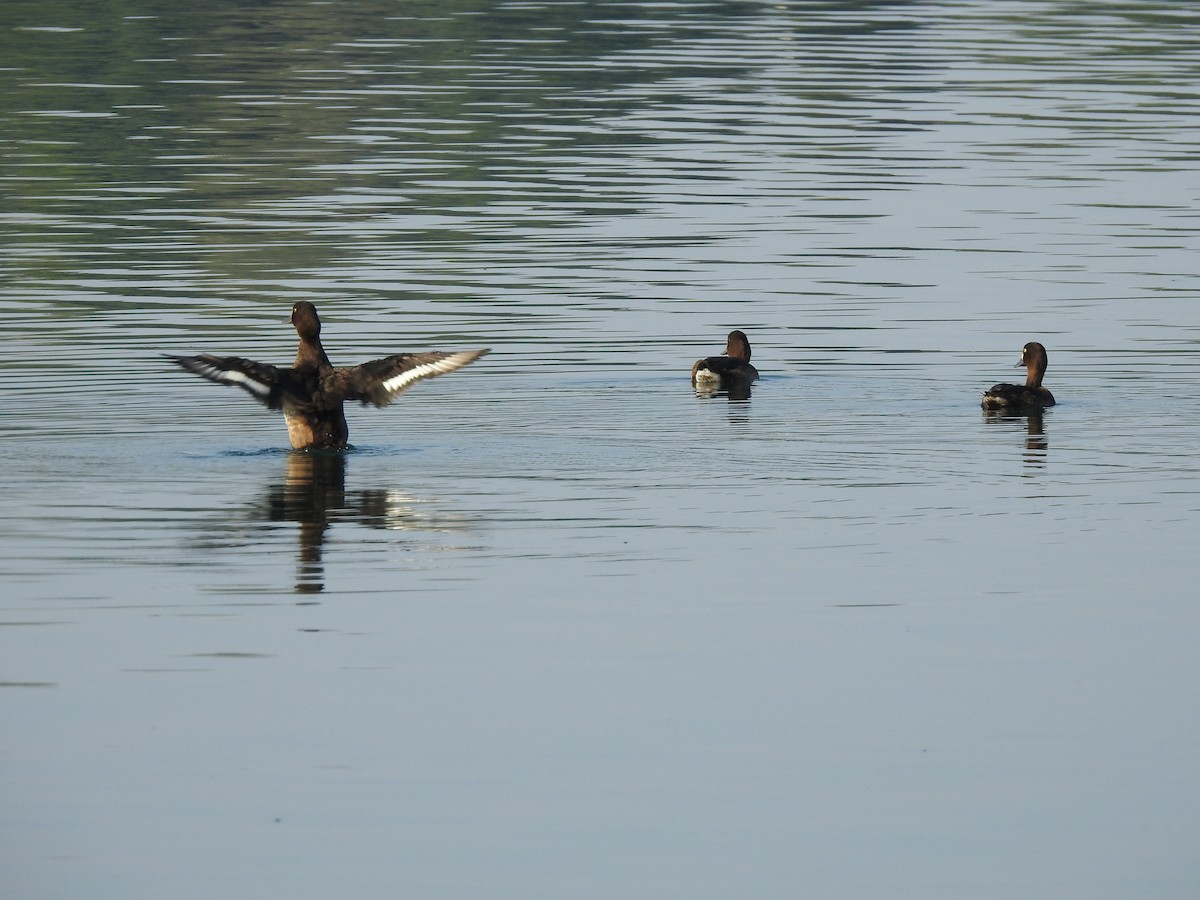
733	370
312	391
1023	397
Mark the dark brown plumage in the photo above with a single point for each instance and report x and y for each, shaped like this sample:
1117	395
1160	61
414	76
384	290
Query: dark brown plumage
731	370
312	391
1028	396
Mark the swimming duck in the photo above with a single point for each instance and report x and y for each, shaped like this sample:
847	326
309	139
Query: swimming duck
731	370
1028	396
312	391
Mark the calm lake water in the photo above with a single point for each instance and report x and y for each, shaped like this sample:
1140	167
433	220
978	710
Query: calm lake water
558	627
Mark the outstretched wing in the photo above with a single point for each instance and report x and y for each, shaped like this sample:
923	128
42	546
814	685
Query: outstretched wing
380	381
263	382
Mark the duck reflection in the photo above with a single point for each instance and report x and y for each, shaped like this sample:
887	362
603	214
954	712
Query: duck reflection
738	407
738	390
313	495
1036	444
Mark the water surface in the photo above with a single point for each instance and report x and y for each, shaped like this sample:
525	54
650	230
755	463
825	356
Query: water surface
558	626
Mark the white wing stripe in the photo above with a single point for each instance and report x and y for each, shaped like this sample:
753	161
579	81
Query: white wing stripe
427	370
233	376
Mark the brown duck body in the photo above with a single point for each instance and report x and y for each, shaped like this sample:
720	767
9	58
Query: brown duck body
1028	396
312	392
716	373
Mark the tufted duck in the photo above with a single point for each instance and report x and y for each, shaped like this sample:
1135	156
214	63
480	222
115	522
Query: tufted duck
1028	396
312	391
731	370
